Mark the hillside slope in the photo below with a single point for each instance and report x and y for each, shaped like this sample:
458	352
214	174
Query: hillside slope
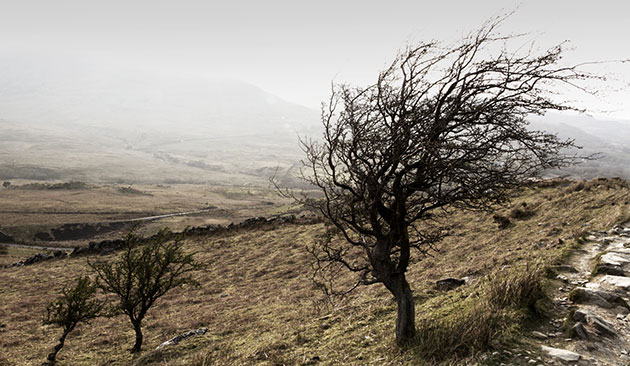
261	308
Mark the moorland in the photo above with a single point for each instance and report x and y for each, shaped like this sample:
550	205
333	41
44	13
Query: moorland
258	301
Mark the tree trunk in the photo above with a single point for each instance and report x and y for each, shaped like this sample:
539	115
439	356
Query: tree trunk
406	319
138	345
52	357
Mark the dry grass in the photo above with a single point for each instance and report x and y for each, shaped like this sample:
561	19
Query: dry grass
261	308
29	207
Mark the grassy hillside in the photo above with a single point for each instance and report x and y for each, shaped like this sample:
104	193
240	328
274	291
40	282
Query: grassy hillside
261	308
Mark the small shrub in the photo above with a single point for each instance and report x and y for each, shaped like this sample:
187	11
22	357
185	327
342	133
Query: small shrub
623	217
580	235
470	328
75	305
144	273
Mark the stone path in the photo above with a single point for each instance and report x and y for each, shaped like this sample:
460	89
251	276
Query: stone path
593	324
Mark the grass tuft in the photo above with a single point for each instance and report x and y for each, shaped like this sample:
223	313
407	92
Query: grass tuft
491	311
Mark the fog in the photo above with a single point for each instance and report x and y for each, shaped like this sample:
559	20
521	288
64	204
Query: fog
159	90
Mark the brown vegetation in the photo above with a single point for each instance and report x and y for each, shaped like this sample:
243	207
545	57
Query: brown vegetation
259	304
33	215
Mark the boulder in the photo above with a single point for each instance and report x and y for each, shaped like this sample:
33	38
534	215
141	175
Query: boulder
619	282
614	259
600	298
600	325
621	250
562	354
603	268
578	331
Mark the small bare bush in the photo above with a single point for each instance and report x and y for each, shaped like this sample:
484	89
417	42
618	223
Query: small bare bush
73	306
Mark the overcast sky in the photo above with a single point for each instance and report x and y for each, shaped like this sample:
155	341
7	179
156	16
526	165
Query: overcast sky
293	48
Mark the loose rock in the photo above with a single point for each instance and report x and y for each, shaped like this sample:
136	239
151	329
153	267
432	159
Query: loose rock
181	337
620	282
539	335
561	354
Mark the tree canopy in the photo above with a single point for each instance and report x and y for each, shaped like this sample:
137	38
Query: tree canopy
74	305
443	128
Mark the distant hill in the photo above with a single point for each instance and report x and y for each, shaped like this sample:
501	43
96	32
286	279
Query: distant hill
607	138
130	99
66	122
114	124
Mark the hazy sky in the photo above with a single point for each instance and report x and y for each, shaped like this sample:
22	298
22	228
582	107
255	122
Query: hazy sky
294	48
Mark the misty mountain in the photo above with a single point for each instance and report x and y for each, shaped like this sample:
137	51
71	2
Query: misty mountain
608	139
131	125
129	99
80	121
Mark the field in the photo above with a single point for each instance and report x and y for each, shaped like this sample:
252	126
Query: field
32	211
261	308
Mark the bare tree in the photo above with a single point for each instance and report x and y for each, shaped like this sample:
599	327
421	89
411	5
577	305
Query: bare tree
75	305
443	128
144	273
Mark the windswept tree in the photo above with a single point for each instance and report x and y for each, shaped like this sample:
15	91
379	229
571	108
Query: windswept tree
443	128
75	305
144	273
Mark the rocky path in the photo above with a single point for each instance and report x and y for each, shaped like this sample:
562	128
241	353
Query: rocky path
592	324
